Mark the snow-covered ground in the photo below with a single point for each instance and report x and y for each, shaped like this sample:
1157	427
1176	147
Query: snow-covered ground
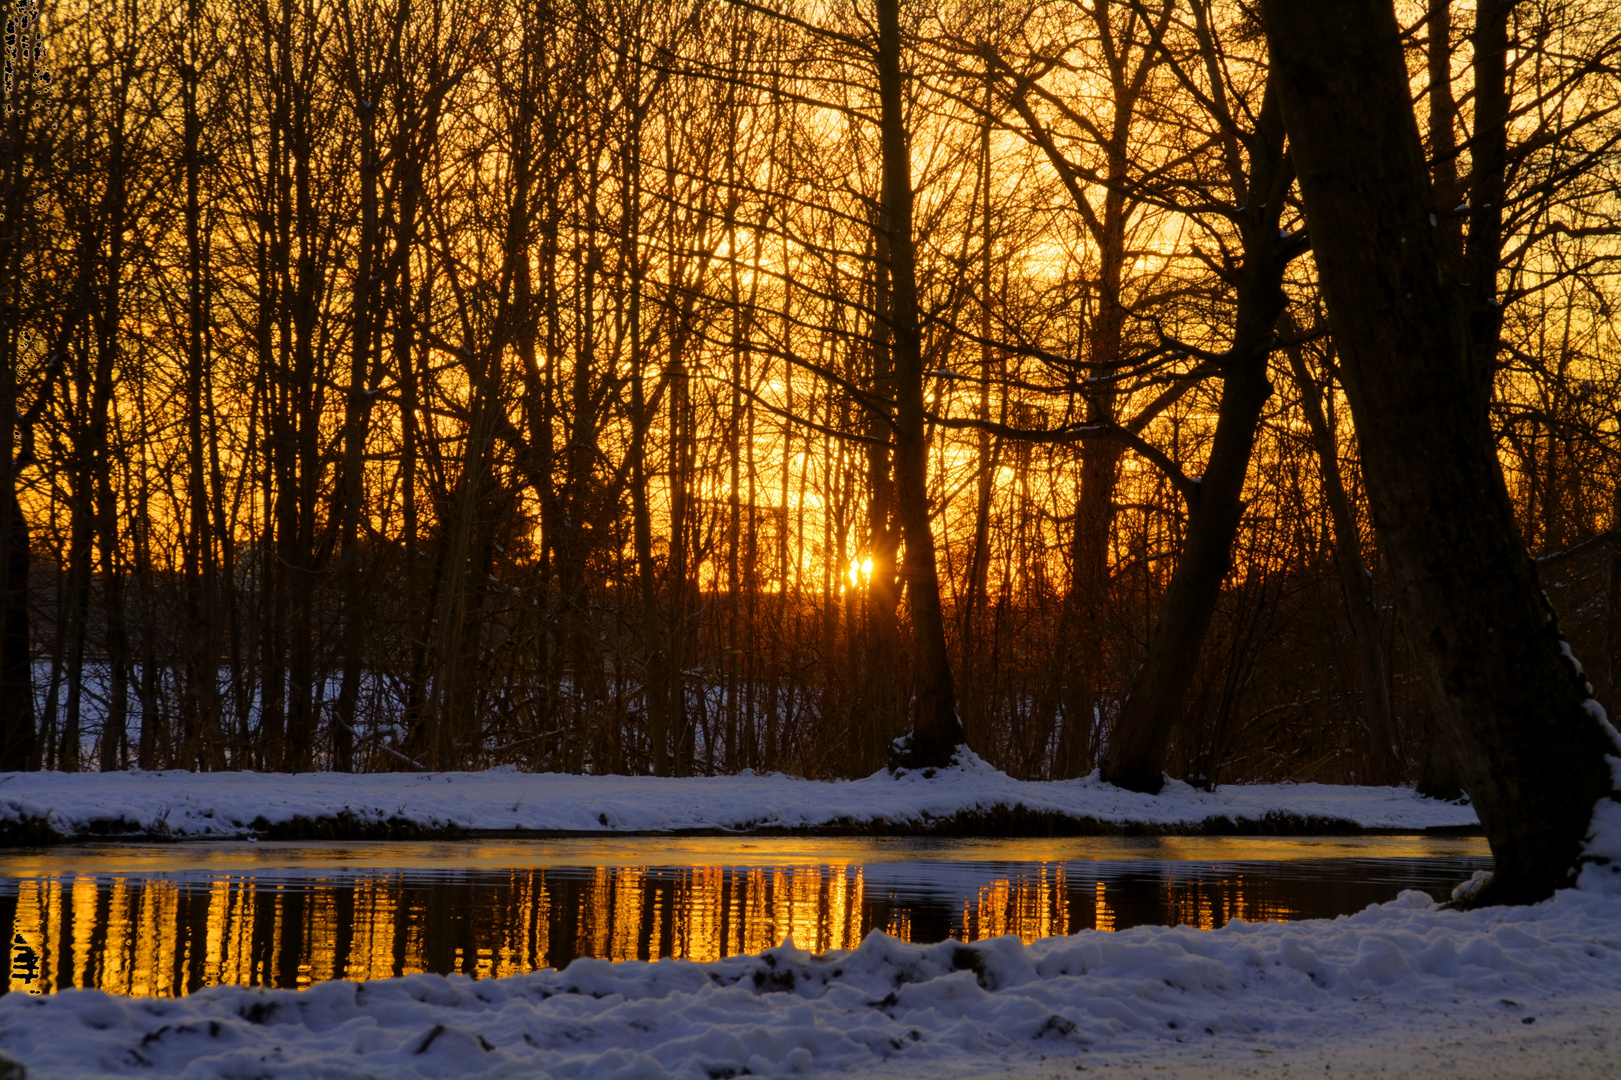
1402	988
217	805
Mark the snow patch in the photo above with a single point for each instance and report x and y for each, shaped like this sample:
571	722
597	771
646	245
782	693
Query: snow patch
1601	855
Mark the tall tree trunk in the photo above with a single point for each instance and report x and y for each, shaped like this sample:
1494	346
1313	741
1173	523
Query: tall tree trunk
16	667
114	737
1084	618
655	658
1533	744
199	710
21	142
357	406
76	609
1136	753
584	656
410	147
875	655
986	453
936	731
681	454
303	460
272	341
730	666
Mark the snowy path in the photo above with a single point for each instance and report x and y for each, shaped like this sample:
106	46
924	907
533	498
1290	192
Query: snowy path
44	806
1398	989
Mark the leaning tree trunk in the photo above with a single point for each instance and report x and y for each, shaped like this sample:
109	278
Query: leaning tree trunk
936	731
1136	753
1532	742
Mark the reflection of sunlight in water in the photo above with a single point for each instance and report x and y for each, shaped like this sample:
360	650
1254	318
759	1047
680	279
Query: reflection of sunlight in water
137	938
1032	908
167	933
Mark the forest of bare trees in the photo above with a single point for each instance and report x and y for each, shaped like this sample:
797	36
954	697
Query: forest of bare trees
611	386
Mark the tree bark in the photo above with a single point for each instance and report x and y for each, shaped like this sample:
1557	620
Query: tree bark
1532	743
16	671
936	731
875	655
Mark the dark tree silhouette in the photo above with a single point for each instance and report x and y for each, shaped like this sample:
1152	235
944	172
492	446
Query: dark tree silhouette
1501	677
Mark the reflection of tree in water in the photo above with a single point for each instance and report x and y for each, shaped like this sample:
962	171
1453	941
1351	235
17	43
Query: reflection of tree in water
163	935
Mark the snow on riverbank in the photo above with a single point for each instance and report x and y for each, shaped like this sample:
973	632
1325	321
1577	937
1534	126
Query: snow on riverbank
198	805
1402	988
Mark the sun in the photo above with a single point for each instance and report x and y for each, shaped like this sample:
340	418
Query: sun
860	571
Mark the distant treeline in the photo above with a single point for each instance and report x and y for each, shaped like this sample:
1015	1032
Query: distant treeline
608	386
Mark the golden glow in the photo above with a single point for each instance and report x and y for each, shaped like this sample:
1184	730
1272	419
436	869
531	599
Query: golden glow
147	931
1103	918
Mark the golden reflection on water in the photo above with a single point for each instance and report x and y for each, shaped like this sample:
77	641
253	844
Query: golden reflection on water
161	936
164	931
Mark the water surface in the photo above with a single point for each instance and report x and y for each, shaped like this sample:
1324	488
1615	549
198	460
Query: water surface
169	919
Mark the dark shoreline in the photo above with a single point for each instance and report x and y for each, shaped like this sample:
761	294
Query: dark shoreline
1002	822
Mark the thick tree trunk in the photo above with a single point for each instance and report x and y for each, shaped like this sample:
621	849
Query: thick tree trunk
582	643
682	452
875	654
1082	637
1532	743
936	732
16	671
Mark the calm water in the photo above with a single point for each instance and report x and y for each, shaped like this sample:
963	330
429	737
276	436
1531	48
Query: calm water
167	920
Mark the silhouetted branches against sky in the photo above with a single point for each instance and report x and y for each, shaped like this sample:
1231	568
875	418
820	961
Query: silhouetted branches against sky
520	376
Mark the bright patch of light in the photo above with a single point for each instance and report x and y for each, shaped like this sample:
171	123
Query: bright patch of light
860	570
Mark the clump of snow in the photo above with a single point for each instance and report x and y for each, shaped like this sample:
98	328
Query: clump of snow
1570	658
1472	888
1601	865
1371	989
180	805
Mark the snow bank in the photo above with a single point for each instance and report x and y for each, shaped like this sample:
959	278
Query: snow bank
43	806
1402	988
1374	989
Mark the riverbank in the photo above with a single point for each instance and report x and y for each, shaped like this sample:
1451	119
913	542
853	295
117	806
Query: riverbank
969	799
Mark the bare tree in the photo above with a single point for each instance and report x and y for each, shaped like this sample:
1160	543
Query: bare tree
1496	665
